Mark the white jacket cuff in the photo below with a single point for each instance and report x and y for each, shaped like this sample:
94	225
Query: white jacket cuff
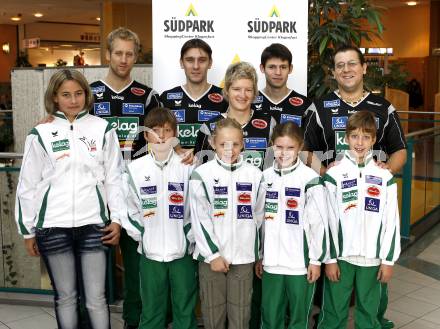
331	261
212	257
386	262
315	262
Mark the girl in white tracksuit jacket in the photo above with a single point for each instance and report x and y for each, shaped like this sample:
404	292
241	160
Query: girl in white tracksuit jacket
294	230
159	219
226	214
70	175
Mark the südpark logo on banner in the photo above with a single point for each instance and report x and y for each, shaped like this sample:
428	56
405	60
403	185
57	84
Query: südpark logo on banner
273	27
189	26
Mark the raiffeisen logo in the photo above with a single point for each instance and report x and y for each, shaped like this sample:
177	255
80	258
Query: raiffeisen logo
189	25
272	28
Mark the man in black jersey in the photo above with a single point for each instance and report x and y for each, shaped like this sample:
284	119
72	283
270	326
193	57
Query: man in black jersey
197	101
325	127
282	103
124	102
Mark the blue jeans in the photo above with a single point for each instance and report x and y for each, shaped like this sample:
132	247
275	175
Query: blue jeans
74	257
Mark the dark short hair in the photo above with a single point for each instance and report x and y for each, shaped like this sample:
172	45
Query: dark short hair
344	48
276	50
159	116
288	129
195	43
363	120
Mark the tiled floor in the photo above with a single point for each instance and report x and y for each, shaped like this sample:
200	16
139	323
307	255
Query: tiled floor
414	294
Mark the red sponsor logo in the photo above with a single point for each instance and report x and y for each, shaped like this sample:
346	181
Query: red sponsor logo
291	203
350	206
176	198
215	97
137	91
373	191
244	198
258	123
219	214
296	101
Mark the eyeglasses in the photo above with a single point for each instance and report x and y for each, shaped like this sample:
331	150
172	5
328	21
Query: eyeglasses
350	65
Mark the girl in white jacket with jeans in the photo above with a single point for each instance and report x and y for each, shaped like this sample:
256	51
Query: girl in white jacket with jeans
70	175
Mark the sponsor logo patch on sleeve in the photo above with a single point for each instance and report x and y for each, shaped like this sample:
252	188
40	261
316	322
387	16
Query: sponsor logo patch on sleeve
258	99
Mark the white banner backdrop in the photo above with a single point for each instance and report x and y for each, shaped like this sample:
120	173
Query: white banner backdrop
236	30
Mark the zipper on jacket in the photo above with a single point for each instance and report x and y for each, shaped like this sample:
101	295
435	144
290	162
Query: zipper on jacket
72	136
165	211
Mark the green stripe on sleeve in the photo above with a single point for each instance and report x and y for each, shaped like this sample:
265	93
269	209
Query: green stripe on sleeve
34	131
23	229
102	207
378	242
306	250
391	252
135	224
257	245
196	177
107	129
332	247
43	208
329	179
211	244
324	248
314	182
340	239
391	181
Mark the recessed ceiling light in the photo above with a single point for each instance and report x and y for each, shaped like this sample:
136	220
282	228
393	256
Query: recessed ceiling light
411	3
16	18
98	18
38	15
66	46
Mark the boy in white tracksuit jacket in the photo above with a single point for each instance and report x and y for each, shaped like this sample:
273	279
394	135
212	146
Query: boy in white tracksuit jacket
159	218
364	230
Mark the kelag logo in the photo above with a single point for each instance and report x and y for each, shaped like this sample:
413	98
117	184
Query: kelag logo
190	24
272	28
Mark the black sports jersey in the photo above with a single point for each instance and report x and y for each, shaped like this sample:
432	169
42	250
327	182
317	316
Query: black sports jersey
125	110
325	127
256	133
191	113
294	107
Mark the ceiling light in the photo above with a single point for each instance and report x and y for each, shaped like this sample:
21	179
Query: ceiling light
16	18
38	15
98	18
66	45
411	3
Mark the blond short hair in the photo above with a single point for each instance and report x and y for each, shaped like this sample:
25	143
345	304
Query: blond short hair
55	83
124	34
237	71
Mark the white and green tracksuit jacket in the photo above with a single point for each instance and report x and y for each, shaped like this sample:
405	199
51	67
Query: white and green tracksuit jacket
158	207
363	211
70	174
295	220
226	211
